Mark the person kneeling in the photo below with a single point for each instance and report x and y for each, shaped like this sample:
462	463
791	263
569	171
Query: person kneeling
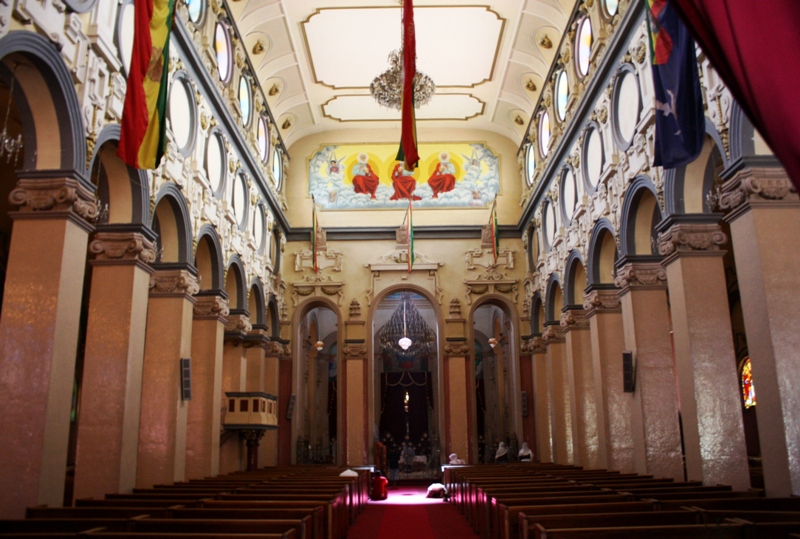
437	490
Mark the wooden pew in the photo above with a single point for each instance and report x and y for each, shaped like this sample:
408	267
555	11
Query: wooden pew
63	525
752	504
186	525
688	531
100	534
336	520
316	529
602	520
96	512
527	515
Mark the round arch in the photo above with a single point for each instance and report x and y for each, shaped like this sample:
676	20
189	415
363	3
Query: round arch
602	254
176	238
575	280
537	314
235	284
211	270
640	215
257	301
53	129
554	300
273	317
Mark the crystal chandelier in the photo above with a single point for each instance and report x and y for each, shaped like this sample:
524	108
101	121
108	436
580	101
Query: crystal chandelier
10	147
406	332
387	88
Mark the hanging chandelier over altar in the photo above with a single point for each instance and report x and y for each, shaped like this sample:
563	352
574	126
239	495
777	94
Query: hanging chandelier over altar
387	88
406	333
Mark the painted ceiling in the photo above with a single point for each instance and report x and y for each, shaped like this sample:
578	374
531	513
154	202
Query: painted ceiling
315	60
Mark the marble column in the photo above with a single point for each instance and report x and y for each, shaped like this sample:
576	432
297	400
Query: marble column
583	404
111	389
762	210
204	415
614	428
560	396
542	402
164	414
234	370
708	383
39	335
654	413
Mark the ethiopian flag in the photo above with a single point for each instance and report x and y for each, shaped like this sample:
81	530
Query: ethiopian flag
408	153
143	137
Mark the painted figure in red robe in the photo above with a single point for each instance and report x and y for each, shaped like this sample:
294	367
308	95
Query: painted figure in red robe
365	181
404	183
443	178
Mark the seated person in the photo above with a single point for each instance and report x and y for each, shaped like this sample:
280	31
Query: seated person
502	453
378	486
455	460
348	473
525	454
437	490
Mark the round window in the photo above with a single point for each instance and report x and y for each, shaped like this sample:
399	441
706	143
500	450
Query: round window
583	50
215	161
562	95
245	98
196	10
593	157
626	108
181	113
277	169
222	46
550	224
530	164
544	133
259	228
263	139
612	6
569	195
239	199
125	32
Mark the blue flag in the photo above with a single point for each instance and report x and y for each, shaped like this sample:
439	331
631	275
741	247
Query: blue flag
680	122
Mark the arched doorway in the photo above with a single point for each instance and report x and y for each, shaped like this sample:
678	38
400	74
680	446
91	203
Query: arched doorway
496	380
316	422
406	383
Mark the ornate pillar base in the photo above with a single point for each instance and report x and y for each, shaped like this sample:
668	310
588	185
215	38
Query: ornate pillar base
645	314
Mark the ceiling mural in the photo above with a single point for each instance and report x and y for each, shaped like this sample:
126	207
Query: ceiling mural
368	176
315	59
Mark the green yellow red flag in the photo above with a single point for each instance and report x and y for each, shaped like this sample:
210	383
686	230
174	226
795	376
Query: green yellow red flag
143	127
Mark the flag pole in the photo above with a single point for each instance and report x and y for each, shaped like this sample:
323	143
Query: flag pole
314	233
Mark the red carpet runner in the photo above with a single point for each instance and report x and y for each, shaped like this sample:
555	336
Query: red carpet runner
407	514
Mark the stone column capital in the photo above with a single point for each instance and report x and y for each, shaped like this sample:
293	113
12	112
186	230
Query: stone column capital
122	248
173	283
457	349
355	352
538	345
552	334
574	319
211	308
691	239
237	325
754	186
641	275
44	198
601	301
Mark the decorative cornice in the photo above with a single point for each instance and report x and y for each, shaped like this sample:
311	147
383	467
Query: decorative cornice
552	334
355	352
690	239
122	246
456	349
238	324
57	194
753	185
173	283
355	310
641	275
455	308
538	345
574	319
599	301
273	349
211	307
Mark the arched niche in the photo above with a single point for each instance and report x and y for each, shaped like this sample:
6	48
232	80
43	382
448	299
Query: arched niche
172	226
208	260
52	124
575	280
123	191
537	314
235	285
273	317
641	215
256	304
686	187
554	301
318	423
383	307
603	254
495	318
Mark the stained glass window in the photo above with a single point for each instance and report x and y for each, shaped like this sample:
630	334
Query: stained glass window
748	389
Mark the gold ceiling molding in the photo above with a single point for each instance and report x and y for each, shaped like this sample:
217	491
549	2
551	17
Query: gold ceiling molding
452	119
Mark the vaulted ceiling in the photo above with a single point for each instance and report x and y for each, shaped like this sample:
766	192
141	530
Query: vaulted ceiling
315	60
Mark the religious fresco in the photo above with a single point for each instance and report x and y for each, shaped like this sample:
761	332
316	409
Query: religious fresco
367	176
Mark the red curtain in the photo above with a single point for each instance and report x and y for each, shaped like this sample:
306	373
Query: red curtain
755	47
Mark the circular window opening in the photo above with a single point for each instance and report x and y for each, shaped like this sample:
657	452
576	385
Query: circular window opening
544	133
612	6
263	139
530	164
550	224
569	194
222	46
125	32
626	108
584	48
181	113
215	162
562	95
259	228
240	199
277	169
245	98
593	158
197	9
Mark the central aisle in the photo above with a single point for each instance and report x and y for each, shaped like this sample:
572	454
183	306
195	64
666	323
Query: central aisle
408	514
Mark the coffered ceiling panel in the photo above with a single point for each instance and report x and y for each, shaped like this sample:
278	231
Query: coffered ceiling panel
456	46
351	108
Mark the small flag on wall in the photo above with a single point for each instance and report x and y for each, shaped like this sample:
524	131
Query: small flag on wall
493	227
680	121
408	153
410	233
143	127
314	234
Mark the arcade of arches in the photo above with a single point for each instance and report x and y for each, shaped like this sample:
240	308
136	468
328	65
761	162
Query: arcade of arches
111	277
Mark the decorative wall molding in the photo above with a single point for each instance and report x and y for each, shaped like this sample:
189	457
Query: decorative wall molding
58	194
574	319
173	283
211	307
424	272
122	246
237	324
641	275
599	301
691	238
317	284
753	185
